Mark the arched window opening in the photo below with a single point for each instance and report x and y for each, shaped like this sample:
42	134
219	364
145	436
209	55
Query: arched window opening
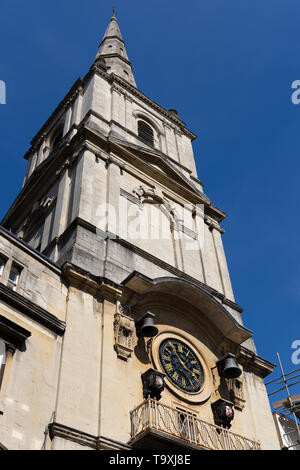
145	133
57	138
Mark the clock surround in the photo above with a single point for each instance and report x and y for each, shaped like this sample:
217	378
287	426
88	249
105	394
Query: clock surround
202	393
181	365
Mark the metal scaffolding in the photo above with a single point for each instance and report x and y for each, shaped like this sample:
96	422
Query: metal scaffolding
290	405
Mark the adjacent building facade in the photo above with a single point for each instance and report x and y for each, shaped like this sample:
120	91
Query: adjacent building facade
113	224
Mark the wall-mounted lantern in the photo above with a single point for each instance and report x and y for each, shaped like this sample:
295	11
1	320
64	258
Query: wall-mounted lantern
153	384
145	327
228	367
223	412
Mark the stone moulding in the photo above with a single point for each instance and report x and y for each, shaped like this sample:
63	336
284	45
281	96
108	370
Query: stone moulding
71	95
184	185
95	285
250	360
2	447
31	310
187	231
57	430
176	120
78	88
29	250
212	224
223	321
105	236
131	198
14	335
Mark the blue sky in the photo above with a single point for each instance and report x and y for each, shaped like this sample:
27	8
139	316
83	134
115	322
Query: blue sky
227	66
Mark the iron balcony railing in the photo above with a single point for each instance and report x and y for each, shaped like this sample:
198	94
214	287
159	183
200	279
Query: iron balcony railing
152	414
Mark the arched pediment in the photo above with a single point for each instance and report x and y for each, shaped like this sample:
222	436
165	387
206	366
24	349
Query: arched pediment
139	114
207	305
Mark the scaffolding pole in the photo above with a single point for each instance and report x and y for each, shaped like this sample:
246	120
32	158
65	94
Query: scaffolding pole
286	386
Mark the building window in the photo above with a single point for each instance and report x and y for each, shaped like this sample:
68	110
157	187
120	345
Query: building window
57	138
145	133
2	264
14	276
2	359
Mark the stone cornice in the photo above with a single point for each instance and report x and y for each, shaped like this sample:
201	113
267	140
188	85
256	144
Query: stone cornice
212	224
150	149
177	272
105	443
132	89
110	37
145	255
13	334
29	250
104	56
76	89
66	156
215	213
31	310
146	149
95	285
254	363
72	434
216	315
183	187
197	180
98	139
40	177
85	439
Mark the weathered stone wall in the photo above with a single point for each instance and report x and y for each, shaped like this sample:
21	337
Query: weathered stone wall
75	371
80	382
29	387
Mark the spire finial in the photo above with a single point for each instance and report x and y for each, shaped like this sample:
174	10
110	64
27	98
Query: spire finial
114	11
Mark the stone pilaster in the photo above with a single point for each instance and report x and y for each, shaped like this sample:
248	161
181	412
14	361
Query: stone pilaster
83	186
62	204
113	196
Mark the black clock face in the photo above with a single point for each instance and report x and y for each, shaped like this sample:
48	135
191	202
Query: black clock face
181	365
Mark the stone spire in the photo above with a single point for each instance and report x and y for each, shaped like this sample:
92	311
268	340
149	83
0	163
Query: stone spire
113	51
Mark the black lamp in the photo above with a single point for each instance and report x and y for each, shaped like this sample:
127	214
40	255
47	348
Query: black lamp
145	327
153	384
223	412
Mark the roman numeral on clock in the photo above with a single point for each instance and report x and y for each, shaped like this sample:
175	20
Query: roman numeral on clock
175	376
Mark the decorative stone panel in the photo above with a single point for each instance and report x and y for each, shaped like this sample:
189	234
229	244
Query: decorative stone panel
123	328
236	393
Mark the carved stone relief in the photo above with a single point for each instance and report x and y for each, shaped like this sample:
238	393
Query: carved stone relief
123	328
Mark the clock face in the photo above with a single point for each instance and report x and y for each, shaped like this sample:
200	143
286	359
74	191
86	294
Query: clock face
181	365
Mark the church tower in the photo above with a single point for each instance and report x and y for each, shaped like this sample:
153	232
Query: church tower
118	324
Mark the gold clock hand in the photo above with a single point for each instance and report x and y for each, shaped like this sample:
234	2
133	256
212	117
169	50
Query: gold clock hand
182	363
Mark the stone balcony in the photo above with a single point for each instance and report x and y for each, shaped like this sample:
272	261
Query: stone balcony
158	426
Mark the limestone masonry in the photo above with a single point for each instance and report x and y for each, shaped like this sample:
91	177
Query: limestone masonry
112	223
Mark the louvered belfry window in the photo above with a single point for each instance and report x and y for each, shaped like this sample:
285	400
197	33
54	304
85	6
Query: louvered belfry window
146	133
